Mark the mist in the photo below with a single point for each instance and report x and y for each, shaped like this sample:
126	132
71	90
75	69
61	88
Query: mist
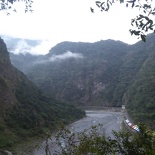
23	46
57	58
66	55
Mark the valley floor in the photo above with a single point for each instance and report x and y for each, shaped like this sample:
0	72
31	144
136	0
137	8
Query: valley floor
109	120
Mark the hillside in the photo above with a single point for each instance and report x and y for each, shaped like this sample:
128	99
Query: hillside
25	110
81	73
24	62
108	73
140	95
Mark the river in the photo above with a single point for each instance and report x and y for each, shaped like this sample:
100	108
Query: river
109	120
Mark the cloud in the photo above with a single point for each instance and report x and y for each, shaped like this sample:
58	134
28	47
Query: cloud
43	48
64	56
23	47
69	21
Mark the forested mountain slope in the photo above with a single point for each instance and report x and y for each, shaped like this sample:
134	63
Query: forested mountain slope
140	95
108	73
24	110
24	62
82	73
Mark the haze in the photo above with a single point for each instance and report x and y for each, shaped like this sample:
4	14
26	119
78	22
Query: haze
69	20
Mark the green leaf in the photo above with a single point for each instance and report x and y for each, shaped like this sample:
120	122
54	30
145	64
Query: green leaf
98	3
141	16
143	37
107	6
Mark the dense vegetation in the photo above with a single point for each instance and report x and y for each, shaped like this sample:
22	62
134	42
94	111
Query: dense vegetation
25	110
92	142
142	23
141	94
80	75
108	73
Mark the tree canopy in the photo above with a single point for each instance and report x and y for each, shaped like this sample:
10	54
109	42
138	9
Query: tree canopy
143	23
91	141
8	5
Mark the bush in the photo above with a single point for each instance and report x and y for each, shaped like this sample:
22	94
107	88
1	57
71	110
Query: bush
92	142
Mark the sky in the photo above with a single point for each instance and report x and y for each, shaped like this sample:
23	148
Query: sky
56	21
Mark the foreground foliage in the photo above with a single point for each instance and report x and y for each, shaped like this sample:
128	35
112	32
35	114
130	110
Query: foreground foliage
92	142
7	5
142	23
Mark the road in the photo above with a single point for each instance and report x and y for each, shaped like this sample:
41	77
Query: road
109	120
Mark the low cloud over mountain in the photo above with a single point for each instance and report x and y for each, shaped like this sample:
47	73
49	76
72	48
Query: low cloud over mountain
60	57
23	46
66	55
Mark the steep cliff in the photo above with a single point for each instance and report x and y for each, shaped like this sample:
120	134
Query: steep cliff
140	95
25	110
8	80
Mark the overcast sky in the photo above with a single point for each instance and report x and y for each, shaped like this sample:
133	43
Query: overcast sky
68	20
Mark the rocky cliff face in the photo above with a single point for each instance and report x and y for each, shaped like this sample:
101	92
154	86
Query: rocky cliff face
8	80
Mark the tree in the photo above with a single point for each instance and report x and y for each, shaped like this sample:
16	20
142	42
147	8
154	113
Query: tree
143	23
92	142
8	5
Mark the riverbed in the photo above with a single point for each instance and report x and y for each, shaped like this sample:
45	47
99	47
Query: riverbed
109	120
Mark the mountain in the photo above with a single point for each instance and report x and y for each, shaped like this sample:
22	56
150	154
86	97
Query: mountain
140	95
107	73
25	110
24	62
81	73
18	45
